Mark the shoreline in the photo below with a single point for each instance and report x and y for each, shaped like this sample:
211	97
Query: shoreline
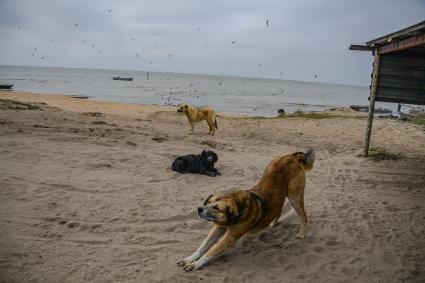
75	104
69	103
233	95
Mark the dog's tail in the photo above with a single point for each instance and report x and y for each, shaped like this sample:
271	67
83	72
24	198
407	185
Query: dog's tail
215	123
306	159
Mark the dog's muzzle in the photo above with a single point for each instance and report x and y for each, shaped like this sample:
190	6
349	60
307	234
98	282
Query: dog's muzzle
204	213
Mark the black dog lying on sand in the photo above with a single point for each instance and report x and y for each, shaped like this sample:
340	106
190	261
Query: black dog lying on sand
202	163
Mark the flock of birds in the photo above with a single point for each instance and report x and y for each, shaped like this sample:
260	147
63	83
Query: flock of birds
168	99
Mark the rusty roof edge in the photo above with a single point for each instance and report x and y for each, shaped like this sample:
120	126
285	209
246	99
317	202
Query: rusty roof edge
405	31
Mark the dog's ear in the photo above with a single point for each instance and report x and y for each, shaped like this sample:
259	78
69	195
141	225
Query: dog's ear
208	198
230	216
239	210
204	153
215	157
233	210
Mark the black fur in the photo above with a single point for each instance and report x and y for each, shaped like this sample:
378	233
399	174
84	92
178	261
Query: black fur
230	216
208	198
202	163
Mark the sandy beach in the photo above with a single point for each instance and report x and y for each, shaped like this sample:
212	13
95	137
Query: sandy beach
87	194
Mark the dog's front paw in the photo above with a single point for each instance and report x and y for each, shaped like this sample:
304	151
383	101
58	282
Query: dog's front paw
300	235
183	262
191	267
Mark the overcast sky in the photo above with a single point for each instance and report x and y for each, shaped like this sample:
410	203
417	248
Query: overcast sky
302	39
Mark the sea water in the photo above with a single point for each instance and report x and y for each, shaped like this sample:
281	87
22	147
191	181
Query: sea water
249	96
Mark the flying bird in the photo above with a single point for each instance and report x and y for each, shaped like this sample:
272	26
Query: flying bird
233	42
133	39
281	74
198	29
315	76
259	64
169	56
76	25
267	22
93	45
110	10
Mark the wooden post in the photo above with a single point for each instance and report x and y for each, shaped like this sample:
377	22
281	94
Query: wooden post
374	87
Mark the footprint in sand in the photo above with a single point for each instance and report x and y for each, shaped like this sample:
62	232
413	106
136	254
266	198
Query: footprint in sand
348	270
72	225
318	250
331	243
289	267
302	276
266	237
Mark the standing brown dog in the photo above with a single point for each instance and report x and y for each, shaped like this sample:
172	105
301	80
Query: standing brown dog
240	212
197	115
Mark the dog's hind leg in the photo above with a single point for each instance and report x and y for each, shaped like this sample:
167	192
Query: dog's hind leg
296	197
276	220
213	236
211	125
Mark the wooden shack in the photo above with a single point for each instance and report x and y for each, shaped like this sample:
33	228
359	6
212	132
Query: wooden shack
398	73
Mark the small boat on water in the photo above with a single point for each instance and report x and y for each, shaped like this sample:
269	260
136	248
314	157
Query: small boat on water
118	78
6	86
78	96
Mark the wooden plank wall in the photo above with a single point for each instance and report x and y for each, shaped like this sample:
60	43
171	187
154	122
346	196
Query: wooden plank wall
402	78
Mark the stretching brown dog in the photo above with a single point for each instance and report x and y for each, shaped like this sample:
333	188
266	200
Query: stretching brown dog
240	212
197	115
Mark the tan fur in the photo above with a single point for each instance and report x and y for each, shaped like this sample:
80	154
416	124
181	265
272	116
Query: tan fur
197	115
240	212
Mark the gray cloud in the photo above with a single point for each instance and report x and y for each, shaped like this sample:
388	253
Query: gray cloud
304	38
